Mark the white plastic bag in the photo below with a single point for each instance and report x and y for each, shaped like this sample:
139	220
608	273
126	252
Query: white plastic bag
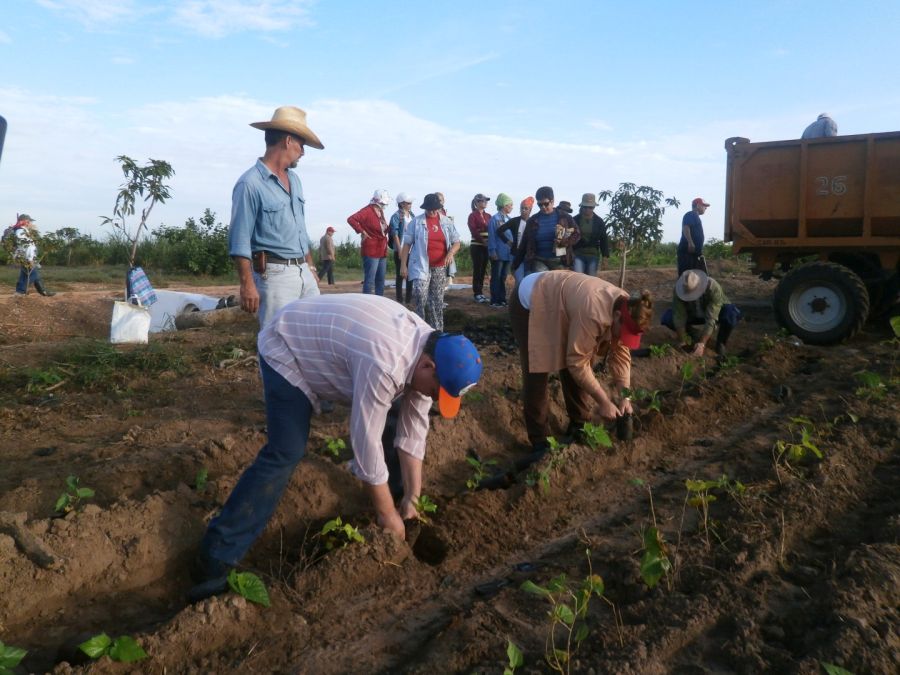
130	324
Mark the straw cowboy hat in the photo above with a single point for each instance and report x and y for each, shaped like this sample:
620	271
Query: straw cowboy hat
293	120
691	285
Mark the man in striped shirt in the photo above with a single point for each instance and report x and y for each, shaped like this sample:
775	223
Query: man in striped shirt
363	349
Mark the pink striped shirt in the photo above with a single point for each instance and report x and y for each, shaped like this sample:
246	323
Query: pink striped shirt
360	349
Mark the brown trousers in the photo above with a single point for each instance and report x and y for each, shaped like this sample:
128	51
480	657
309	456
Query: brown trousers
535	397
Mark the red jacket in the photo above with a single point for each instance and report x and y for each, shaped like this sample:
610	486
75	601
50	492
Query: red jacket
370	219
478	226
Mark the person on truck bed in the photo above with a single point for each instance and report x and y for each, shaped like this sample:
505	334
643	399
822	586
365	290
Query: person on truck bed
700	301
823	127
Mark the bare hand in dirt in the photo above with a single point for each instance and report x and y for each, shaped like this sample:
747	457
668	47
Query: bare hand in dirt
699	348
249	299
393	523
607	410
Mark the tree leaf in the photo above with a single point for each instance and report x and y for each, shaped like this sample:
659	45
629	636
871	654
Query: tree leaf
97	646
127	650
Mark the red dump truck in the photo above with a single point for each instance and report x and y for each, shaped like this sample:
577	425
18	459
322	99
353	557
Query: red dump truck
825	213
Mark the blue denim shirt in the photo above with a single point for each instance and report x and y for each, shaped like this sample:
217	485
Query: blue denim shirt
397	227
416	236
264	217
498	245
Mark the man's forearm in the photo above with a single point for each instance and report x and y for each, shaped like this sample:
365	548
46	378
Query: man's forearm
411	471
244	270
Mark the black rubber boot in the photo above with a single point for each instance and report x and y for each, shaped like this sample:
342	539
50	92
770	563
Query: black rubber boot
39	287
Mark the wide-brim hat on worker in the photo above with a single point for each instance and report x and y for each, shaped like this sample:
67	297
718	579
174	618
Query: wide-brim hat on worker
588	199
292	120
565	206
458	366
691	285
431	202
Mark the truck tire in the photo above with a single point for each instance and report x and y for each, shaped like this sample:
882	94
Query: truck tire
822	303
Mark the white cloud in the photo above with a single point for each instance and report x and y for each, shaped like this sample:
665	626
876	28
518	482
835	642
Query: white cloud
218	18
369	144
96	13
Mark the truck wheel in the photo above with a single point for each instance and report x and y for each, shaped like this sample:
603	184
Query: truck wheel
822	303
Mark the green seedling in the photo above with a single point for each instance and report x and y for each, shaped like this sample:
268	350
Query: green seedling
514	656
72	497
832	669
338	534
568	608
555	460
729	362
687	373
124	649
699	495
334	446
424	505
872	387
596	436
655	562
201	479
794	450
10	657
479	471
249	586
43	379
650	396
660	351
766	344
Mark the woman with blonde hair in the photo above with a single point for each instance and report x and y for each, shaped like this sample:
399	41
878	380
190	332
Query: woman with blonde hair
562	321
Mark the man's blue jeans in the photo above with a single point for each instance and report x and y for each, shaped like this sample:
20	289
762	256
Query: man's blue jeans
257	493
499	272
586	264
27	279
373	274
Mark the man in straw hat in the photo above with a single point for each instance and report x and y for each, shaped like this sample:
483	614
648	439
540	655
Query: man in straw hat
700	301
268	239
370	353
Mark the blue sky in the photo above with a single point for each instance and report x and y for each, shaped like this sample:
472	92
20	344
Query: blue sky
459	97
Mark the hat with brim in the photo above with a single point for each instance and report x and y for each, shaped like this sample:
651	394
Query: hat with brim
292	120
630	332
458	367
24	217
431	202
691	285
588	200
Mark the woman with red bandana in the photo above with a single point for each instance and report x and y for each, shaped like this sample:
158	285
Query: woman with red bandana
562	321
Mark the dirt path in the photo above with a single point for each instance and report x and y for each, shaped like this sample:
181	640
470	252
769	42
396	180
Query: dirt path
800	567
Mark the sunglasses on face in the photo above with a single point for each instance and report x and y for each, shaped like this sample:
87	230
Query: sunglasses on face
543	204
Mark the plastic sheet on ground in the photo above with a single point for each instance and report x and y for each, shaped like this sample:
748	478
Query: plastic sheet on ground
170	304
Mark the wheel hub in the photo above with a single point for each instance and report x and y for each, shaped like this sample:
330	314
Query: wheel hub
818	307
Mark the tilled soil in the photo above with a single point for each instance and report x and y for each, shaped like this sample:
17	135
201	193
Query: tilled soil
797	567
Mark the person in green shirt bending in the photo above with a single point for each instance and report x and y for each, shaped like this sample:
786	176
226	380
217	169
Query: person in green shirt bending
700	301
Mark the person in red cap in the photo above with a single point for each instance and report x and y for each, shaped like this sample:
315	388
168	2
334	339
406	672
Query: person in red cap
690	247
326	256
561	321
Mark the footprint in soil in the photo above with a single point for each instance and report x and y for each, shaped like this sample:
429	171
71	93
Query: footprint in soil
426	542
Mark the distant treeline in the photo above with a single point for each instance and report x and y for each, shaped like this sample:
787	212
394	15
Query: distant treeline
201	247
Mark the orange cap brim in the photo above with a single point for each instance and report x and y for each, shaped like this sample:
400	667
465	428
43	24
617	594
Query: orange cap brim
447	404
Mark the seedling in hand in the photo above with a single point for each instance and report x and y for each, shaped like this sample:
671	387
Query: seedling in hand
71	498
424	505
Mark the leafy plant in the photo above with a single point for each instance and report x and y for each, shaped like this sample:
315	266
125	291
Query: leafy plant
871	385
766	344
336	533
11	656
479	470
655	562
730	362
568	608
424	505
687	373
514	656
700	495
71	498
661	351
650	396
553	462
201	479
249	586
796	450
596	435
124	649
334	446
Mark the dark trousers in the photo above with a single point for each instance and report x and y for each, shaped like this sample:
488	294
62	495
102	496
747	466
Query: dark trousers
535	397
729	316
691	261
479	267
400	281
326	268
499	272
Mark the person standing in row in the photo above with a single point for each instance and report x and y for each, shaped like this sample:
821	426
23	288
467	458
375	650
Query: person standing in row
429	244
267	238
499	250
451	268
327	256
592	250
399	222
690	247
369	222
548	238
515	227
478	223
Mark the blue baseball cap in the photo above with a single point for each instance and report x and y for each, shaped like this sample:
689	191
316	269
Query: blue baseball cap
458	366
